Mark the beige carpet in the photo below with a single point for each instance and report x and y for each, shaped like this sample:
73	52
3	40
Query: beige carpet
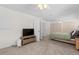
44	47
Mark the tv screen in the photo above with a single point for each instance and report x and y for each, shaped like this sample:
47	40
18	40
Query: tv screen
27	32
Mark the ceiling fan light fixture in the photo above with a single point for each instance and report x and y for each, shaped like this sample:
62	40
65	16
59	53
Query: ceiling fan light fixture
45	5
42	6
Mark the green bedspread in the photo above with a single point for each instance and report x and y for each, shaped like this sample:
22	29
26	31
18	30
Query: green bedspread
59	35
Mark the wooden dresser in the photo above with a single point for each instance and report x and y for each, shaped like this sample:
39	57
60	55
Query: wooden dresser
27	39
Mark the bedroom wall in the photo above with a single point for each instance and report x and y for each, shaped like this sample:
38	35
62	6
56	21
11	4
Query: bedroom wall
11	25
64	26
55	27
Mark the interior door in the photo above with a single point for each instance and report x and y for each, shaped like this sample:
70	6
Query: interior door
45	29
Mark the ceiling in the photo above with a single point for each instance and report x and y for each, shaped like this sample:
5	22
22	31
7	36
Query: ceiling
53	12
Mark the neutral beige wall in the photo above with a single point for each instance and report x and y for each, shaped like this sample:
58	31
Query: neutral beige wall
64	26
55	27
68	26
11	25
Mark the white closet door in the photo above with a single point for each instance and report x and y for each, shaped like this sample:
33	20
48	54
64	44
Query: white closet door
45	29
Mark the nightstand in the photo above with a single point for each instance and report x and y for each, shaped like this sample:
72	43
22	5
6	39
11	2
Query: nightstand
77	43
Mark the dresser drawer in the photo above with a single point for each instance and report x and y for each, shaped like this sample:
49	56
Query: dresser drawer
25	41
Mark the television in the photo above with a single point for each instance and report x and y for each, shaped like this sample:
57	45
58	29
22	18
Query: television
27	32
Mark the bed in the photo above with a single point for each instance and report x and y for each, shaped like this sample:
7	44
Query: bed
60	36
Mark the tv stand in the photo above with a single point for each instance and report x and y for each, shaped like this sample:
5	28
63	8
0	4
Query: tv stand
28	39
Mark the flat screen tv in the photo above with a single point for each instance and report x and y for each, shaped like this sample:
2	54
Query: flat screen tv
27	32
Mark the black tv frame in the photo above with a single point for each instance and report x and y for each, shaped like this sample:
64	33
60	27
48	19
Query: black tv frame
25	31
